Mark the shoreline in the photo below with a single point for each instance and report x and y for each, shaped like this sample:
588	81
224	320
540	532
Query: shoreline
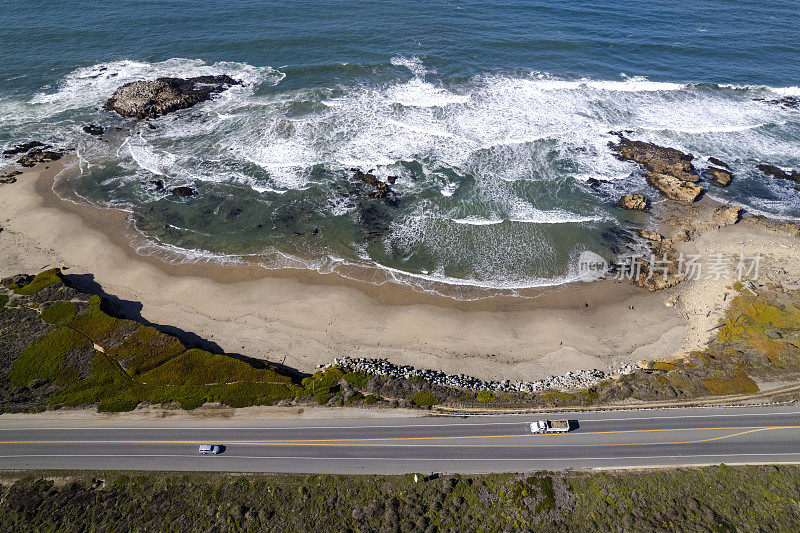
303	319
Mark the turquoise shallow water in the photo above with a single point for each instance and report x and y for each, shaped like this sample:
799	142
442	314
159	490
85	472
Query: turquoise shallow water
493	117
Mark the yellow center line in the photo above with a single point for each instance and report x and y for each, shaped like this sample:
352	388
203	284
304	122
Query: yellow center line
401	441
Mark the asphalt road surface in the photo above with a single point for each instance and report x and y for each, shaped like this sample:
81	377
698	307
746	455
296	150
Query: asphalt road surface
396	445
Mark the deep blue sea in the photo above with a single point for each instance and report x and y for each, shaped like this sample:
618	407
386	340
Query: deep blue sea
493	115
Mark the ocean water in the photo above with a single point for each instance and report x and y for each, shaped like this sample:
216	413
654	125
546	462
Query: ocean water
492	116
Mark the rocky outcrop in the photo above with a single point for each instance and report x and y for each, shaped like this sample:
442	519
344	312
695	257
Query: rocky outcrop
153	98
636	202
657	159
720	176
382	188
381	367
9	177
777	172
725	216
37	156
182	192
24	148
93	129
669	170
674	188
650	235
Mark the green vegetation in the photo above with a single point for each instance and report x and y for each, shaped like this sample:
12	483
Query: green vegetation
371	398
3	300
60	313
486	396
743	498
424	399
323	386
39	282
134	364
46	359
357	379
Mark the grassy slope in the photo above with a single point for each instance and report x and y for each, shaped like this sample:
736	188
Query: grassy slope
135	363
720	498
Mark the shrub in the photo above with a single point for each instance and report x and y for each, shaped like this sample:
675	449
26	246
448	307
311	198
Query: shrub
3	300
486	396
357	379
424	399
60	313
371	398
40	281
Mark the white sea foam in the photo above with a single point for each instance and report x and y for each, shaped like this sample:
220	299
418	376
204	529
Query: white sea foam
510	144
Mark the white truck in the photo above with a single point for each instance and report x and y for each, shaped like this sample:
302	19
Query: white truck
550	426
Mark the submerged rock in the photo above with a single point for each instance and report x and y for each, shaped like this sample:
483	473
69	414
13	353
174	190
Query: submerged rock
153	98
718	162
24	148
382	188
720	176
183	192
94	129
777	172
636	202
786	102
157	185
674	188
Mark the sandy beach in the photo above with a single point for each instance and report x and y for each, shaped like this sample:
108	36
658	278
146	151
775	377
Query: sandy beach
303	319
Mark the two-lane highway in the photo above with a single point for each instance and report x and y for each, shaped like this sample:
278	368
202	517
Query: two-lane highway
395	445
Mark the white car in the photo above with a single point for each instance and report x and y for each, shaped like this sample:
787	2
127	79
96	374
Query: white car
212	449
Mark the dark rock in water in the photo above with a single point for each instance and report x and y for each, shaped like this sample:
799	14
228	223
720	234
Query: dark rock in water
24	148
594	183
183	192
37	156
719	176
94	129
777	172
718	162
658	159
670	170
157	185
153	98
787	102
635	202
382	188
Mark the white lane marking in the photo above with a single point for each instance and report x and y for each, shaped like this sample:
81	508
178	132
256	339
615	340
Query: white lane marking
447	459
